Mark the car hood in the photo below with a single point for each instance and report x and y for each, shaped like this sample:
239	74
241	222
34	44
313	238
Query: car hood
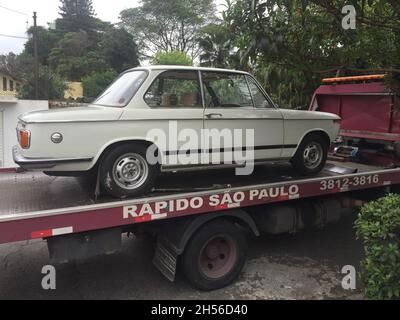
308	115
81	114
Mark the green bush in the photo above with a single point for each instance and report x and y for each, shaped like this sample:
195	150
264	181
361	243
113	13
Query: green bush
97	82
51	86
176	58
378	226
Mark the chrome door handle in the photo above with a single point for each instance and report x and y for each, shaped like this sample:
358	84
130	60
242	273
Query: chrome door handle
214	115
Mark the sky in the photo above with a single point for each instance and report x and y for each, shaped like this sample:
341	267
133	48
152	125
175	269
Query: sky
15	24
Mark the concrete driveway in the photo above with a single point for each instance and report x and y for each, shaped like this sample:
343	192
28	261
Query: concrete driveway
302	266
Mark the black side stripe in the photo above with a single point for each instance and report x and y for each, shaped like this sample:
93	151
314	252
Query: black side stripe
222	150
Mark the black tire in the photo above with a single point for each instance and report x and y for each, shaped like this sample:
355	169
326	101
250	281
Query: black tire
112	182
193	264
299	161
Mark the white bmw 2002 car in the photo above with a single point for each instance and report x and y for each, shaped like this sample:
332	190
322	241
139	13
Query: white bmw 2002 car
111	136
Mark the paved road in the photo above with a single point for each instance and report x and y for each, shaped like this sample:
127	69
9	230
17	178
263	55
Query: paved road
304	266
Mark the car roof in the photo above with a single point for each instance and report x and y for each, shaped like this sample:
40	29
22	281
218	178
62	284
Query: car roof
170	67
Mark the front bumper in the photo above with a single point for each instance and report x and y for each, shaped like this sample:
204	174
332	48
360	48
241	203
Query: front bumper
43	163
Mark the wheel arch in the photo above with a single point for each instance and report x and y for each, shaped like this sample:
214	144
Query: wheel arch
177	234
321	132
114	144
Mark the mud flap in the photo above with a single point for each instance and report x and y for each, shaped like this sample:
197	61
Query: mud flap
175	235
166	260
97	191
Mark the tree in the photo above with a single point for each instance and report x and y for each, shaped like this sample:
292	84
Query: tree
216	48
12	64
76	15
87	44
97	82
291	45
47	40
119	50
51	86
73	58
76	8
80	45
159	25
175	58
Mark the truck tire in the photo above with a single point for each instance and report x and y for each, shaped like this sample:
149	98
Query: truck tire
124	171
311	156
215	255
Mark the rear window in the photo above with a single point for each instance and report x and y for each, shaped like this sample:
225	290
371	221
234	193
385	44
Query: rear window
122	90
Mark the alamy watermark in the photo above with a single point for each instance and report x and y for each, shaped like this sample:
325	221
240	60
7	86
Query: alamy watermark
187	147
349	281
349	20
49	280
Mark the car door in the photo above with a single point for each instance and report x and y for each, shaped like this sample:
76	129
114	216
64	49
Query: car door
235	101
176	108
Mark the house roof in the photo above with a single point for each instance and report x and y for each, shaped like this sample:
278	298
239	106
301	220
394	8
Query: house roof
7	73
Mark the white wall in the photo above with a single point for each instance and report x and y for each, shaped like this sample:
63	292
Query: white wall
11	112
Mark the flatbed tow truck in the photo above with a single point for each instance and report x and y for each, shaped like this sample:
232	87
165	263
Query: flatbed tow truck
195	222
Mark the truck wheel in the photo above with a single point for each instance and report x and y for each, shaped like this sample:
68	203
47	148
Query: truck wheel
125	172
311	156
215	255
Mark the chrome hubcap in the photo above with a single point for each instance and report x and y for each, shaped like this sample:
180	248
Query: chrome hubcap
130	171
313	155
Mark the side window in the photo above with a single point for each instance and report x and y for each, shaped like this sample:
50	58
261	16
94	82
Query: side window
226	90
260	101
175	89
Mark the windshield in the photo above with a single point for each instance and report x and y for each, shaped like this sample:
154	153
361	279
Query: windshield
122	90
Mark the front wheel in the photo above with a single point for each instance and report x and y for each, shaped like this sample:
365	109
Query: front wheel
125	172
311	155
215	255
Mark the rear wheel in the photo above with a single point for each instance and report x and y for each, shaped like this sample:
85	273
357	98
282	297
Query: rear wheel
125	172
215	255
311	155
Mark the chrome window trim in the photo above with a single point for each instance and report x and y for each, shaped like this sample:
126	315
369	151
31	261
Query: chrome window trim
163	71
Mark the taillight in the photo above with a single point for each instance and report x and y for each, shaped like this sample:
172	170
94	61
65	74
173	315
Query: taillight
25	139
337	121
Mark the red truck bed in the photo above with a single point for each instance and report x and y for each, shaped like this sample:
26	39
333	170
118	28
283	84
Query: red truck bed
367	109
33	205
